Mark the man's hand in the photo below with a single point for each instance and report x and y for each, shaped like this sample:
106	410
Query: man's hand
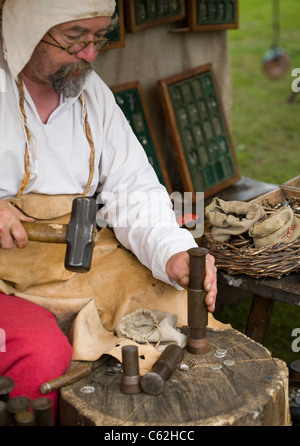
11	229
177	269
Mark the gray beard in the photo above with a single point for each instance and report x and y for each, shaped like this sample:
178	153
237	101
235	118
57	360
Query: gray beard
68	84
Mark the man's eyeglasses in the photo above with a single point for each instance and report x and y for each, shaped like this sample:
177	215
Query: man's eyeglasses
99	44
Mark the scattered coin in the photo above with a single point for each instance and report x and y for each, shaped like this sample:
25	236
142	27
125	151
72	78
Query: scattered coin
216	366
183	367
110	371
221	351
218	355
87	389
228	362
118	366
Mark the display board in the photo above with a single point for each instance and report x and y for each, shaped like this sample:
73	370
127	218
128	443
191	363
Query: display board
117	35
144	14
199	131
212	15
131	100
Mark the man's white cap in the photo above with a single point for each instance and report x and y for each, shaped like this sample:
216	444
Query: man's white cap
25	22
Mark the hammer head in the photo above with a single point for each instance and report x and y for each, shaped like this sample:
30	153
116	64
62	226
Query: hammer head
79	237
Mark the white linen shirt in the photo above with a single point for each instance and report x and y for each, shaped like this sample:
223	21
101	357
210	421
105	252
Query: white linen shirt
136	205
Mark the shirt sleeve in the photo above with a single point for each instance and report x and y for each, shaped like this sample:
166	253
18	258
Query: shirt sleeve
136	205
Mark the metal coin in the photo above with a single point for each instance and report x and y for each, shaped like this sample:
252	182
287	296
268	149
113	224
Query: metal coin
228	362
221	351
183	367
118	367
110	371
216	366
219	355
87	389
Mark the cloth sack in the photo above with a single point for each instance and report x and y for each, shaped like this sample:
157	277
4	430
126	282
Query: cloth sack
229	218
151	327
281	227
88	306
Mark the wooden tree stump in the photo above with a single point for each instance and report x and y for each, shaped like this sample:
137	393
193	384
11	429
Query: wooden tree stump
251	392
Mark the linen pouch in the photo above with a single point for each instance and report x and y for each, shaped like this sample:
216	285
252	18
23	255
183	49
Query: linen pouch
229	218
281	227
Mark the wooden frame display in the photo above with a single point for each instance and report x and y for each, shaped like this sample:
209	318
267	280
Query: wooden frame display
117	35
199	131
212	15
131	100
144	14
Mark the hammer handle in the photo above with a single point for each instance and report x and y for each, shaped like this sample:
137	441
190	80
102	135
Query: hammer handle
46	232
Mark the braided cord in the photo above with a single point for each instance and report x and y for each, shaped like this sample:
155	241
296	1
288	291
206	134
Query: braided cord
26	177
89	136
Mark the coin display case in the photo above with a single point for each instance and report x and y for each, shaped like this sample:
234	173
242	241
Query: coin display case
131	100
144	14
212	15
199	131
117	35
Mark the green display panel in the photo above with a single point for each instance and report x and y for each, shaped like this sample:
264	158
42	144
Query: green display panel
216	11
130	100
200	134
143	14
212	15
116	35
149	10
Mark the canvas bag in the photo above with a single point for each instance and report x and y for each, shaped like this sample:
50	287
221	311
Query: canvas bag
281	227
151	327
229	218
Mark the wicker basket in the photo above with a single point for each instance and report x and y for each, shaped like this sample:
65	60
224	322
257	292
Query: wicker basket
241	257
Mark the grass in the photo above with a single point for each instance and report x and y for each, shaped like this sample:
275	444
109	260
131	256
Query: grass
279	337
265	133
264	126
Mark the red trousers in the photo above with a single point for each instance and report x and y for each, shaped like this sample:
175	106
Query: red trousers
33	349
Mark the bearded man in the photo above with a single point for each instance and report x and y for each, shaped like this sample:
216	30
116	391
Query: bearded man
62	136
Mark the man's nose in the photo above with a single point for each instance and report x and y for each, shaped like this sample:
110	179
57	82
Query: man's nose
88	53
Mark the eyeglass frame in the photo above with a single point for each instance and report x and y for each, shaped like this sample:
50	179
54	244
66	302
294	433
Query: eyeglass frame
86	43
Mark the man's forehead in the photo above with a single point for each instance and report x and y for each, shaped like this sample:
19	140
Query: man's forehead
85	25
